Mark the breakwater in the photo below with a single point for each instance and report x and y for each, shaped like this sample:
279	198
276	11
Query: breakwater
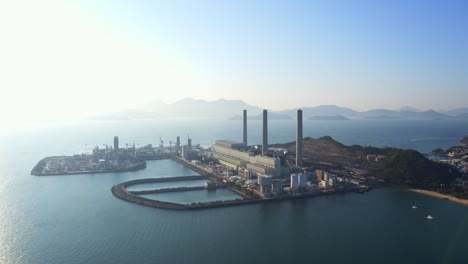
120	191
177	189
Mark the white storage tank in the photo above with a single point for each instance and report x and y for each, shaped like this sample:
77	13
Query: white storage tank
294	181
326	177
302	178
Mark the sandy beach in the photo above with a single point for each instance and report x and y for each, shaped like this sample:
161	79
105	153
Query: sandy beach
441	196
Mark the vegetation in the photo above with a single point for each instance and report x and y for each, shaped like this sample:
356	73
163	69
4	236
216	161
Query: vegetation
410	168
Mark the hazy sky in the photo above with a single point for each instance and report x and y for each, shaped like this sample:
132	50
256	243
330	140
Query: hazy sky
75	58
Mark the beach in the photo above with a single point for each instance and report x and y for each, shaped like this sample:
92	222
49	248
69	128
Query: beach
441	196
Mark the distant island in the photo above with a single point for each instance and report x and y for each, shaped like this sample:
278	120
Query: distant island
328	118
229	109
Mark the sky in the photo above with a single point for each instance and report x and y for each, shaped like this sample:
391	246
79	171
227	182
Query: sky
71	59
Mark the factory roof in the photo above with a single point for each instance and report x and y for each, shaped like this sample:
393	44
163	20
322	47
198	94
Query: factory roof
229	143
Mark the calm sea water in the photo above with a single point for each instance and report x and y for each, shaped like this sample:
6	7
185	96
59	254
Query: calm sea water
75	219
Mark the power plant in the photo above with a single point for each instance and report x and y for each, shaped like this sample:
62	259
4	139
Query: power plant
250	161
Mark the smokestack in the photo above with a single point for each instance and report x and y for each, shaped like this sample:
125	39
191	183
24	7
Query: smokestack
265	133
245	128
299	139
116	142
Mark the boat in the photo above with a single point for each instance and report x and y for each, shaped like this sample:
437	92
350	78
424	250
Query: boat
414	205
429	217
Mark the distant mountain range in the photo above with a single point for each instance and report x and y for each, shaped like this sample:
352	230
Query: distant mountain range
232	109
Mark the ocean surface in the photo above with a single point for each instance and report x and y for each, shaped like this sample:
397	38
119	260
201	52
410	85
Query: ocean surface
75	219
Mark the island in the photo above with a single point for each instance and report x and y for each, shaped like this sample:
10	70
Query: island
328	118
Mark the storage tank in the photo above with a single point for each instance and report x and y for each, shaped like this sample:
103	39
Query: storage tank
294	181
302	178
325	176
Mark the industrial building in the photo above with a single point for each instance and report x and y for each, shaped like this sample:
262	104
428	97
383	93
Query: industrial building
294	181
236	159
320	175
230	144
236	155
265	182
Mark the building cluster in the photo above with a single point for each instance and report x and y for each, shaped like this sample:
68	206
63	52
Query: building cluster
100	160
457	157
327	180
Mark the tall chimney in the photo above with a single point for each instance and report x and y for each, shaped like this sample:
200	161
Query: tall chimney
299	139
116	142
245	128
265	133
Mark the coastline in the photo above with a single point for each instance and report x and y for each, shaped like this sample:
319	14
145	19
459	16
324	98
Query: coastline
441	196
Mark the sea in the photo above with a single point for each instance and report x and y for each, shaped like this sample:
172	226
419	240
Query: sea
76	219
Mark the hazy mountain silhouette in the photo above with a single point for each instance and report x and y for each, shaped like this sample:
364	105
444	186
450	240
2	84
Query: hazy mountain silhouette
232	109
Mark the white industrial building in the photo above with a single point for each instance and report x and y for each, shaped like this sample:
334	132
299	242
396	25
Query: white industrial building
235	158
294	181
265	182
229	144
